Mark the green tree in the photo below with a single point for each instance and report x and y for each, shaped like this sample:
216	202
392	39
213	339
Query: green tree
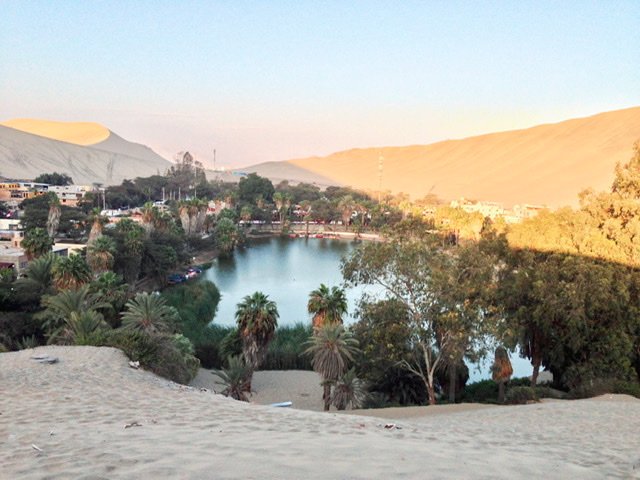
405	267
327	306
331	349
226	235
257	319
71	272
100	254
253	188
148	313
61	307
36	242
54	178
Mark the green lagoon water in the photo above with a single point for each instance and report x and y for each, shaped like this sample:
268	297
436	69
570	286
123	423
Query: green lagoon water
287	270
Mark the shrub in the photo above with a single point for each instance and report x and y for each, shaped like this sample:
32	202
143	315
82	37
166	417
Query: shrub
548	392
520	395
160	354
285	350
627	388
236	379
484	391
207	346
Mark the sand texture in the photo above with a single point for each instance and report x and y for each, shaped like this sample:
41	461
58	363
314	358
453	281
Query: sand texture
67	420
78	133
547	164
107	160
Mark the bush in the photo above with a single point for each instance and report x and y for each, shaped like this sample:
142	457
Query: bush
548	392
162	354
285	351
520	395
627	388
602	386
484	391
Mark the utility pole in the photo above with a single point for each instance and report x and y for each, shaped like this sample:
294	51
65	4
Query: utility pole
380	165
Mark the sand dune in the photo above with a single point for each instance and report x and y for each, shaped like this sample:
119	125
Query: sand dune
547	164
67	420
78	133
107	159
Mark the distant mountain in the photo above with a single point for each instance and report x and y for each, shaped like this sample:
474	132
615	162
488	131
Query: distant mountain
547	164
88	152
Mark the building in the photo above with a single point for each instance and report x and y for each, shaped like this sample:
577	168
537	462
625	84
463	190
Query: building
70	194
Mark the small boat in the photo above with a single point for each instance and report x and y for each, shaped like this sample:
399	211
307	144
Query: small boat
319	235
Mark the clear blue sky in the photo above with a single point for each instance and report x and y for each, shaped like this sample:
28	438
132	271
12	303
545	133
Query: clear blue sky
272	80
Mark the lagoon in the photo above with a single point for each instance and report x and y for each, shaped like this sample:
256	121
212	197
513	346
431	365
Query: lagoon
287	270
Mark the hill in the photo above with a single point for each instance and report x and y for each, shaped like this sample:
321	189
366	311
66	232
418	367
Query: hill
88	152
546	164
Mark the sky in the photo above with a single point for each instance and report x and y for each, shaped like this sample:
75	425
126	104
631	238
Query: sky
274	80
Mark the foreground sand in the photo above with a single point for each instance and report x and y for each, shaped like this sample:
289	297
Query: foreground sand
75	412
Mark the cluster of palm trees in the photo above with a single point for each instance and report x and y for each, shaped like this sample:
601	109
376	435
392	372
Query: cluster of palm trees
332	348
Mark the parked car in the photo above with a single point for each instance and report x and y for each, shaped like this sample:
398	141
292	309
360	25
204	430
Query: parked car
193	272
176	278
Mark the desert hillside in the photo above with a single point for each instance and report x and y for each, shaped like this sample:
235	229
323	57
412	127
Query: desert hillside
88	152
547	164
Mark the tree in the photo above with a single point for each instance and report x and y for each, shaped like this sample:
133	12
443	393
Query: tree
61	307
327	305
384	333
71	272
501	371
331	349
53	220
236	378
36	242
253	188
349	390
54	178
38	279
405	267
100	254
98	222
257	319
148	313
226	235
283	202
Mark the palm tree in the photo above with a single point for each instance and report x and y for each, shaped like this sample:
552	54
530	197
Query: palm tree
38	277
79	327
257	319
331	349
60	308
346	204
501	371
71	272
327	306
348	390
149	215
236	378
53	219
97	223
36	242
148	313
112	290
100	254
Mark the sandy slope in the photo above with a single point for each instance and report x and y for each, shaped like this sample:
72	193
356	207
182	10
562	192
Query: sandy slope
75	412
546	164
109	161
78	133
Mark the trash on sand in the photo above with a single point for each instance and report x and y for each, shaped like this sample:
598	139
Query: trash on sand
135	365
132	424
35	447
45	359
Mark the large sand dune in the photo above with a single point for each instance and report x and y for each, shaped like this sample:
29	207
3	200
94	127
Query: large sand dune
88	152
547	164
67	420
